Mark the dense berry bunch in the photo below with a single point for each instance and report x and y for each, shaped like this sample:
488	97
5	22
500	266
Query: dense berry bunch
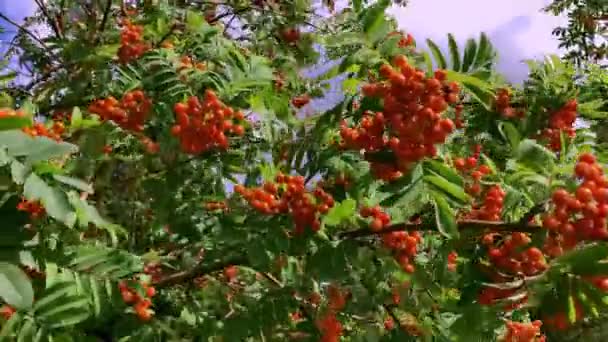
379	220
329	325
411	123
474	173
300	101
154	270
290	35
7	311
230	273
561	120
38	129
452	261
187	63
404	41
512	257
288	195
141	304
581	215
34	208
458	121
8	113
560	320
213	206
502	104
132	44
523	332
202	126
403	244
129	113
491	208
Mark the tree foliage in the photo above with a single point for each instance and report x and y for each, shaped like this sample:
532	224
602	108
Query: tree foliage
160	181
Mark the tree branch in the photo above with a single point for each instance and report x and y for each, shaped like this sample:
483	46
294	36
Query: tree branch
199	270
28	32
104	20
52	22
462	225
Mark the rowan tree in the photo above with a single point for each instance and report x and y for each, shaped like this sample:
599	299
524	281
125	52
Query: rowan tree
169	173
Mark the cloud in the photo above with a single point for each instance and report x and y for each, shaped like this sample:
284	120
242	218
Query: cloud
518	28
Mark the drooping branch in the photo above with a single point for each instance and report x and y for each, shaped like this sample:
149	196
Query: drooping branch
495	226
199	270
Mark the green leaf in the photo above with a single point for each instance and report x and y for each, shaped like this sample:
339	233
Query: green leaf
374	14
439	58
341	212
15	122
9	327
444	171
470	51
428	62
34	149
54	201
535	156
454	53
484	52
445	217
76	119
15	286
510	133
54	295
451	189
74	182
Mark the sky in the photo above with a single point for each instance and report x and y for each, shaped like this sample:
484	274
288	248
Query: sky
518	29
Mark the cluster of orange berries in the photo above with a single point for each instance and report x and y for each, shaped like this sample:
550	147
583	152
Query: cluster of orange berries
491	208
600	282
458	121
405	41
582	215
141	304
290	35
523	332
9	113
132	44
288	195
404	244
34	208
129	113
187	63
452	261
202	126
514	258
230	273
561	120
300	101
379	220
154	270
212	206
7	311
560	321
329	325
502	103
469	167
411	123
40	130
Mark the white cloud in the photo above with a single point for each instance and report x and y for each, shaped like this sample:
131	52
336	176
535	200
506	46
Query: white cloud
518	28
